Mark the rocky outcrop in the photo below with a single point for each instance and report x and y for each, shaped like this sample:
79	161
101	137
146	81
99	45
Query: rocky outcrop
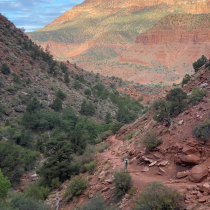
198	172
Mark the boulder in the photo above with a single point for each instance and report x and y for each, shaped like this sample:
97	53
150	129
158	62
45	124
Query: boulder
190	150
198	172
181	122
153	163
203	199
163	163
205	188
182	174
145	169
189	159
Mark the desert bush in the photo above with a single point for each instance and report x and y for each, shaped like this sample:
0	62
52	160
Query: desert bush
14	160
60	94
57	104
102	147
116	127
76	186
156	196
3	110
87	92
10	88
4	186
202	131
37	192
122	181
103	136
130	135
66	78
15	102
5	69
55	183
108	118
16	79
90	167
22	202
96	203
140	98
200	62
186	79
197	95
87	108
151	140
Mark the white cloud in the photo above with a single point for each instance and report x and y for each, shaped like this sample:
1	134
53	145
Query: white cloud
33	14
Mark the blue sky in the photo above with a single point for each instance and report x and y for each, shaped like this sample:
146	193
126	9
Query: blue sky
32	14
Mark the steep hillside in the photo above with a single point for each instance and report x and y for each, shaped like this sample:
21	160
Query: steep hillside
94	34
176	151
52	115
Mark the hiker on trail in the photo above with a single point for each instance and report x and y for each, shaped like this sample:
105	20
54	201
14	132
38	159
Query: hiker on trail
126	162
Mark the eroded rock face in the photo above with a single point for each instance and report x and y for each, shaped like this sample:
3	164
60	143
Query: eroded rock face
182	174
189	159
198	172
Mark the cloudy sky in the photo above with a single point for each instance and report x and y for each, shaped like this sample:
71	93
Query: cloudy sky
34	14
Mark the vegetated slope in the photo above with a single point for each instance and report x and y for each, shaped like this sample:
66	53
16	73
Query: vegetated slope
95	33
34	75
170	47
52	111
168	151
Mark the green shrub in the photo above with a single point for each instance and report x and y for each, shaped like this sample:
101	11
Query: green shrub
197	95
130	135
22	202
156	196
151	140
55	183
14	160
5	69
103	136
76	186
66	78
16	79
57	104
3	110
96	203
77	85
90	167
186	79
108	118
33	105
200	62
116	127
60	94
37	192
122	181
4	186
10	88
140	98
87	92
87	109
102	147
202	131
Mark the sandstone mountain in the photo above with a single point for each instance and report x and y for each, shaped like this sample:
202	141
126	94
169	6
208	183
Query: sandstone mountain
94	34
170	47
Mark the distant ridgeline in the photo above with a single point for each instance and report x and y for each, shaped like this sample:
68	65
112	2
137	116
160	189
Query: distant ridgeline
140	40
